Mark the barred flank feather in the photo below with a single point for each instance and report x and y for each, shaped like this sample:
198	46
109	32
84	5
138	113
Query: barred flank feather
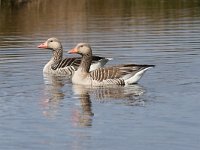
117	74
70	62
103	74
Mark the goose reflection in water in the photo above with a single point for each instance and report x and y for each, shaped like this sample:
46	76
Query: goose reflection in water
82	114
53	94
129	95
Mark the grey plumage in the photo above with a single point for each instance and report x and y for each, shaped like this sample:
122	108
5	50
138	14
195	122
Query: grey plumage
118	75
59	66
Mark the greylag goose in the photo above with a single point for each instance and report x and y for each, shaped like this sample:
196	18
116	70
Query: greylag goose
114	75
59	66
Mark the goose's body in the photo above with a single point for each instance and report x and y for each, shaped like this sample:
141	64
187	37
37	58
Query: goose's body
59	66
115	75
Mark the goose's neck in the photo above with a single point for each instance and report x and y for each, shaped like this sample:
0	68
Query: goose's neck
56	58
85	63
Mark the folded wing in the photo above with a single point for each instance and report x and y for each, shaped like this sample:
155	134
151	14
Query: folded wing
118	72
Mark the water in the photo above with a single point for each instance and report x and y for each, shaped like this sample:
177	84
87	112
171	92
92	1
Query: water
161	112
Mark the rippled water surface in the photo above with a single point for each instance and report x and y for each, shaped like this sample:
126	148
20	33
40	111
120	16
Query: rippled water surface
45	112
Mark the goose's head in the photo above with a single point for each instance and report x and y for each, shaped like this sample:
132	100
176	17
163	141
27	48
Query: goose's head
52	43
82	49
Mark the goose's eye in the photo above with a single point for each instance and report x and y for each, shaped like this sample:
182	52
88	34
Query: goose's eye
81	46
51	41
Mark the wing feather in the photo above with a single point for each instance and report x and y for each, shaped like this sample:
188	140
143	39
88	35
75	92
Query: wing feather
116	72
76	61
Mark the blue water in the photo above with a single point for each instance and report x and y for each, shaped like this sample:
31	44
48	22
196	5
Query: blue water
161	112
